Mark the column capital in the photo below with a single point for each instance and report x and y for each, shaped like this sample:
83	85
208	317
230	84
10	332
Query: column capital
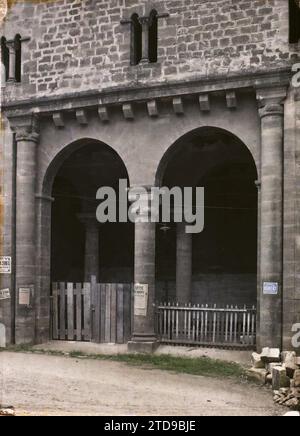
26	128
271	100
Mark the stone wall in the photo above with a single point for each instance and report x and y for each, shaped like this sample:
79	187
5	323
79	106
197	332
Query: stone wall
80	44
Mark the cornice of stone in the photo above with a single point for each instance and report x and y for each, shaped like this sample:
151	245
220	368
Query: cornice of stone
121	96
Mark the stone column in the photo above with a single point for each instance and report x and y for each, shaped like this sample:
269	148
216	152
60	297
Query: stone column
144	338
271	218
26	139
11	45
91	253
145	22
183	265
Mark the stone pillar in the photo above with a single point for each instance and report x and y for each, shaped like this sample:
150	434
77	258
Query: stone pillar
271	218
11	45
183	265
91	253
144	338
145	22
26	139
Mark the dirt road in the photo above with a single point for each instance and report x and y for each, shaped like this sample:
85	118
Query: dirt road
48	385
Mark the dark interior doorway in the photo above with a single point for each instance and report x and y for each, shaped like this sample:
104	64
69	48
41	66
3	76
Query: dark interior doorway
224	255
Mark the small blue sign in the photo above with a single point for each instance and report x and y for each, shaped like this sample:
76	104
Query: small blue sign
270	288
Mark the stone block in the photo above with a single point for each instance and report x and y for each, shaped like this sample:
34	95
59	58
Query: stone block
289	362
297	378
142	347
257	375
279	378
256	361
270	355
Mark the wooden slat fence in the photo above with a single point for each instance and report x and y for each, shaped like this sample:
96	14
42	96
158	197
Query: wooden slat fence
203	325
93	311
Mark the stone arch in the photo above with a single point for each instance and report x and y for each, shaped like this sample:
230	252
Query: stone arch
211	157
179	143
64	154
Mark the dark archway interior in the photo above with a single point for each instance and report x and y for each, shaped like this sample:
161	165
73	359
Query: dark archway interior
88	168
225	253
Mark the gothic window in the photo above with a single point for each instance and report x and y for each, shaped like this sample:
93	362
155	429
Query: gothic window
4	58
294	14
136	40
153	36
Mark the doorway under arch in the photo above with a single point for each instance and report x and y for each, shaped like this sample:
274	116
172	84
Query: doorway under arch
219	265
88	168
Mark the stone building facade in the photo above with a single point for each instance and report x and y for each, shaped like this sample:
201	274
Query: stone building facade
162	92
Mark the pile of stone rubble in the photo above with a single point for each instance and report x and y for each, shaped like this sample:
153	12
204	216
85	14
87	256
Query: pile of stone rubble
282	372
7	411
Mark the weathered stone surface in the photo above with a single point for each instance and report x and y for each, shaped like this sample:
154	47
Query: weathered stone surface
270	355
73	47
289	363
270	367
279	378
297	378
257	375
256	361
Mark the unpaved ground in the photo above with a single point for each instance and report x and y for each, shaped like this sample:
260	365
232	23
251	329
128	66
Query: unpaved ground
48	385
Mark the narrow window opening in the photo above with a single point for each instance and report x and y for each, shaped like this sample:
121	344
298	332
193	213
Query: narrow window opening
5	57
153	37
294	13
18	49
136	40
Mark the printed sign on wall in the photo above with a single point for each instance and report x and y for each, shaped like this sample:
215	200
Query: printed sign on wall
140	299
4	294
271	288
5	265
25	296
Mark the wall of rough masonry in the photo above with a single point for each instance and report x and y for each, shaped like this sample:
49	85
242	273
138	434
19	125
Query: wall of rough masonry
80	44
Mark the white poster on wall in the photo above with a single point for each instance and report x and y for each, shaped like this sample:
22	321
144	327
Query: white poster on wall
4	294
141	292
5	265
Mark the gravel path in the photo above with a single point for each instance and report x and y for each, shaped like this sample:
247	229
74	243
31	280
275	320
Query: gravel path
47	385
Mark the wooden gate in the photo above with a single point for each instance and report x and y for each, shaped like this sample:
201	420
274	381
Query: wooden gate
93	312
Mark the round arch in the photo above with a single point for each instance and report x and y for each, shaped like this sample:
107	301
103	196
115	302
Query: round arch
65	153
197	133
212	266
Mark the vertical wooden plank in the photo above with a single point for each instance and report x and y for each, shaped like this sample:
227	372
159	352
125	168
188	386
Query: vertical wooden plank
107	312
102	312
231	326
70	311
206	325
120	314
55	311
177	322
226	324
113	314
62	310
87	311
78	293
214	325
95	303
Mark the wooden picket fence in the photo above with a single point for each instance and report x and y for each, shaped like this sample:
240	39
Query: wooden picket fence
95	312
231	326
